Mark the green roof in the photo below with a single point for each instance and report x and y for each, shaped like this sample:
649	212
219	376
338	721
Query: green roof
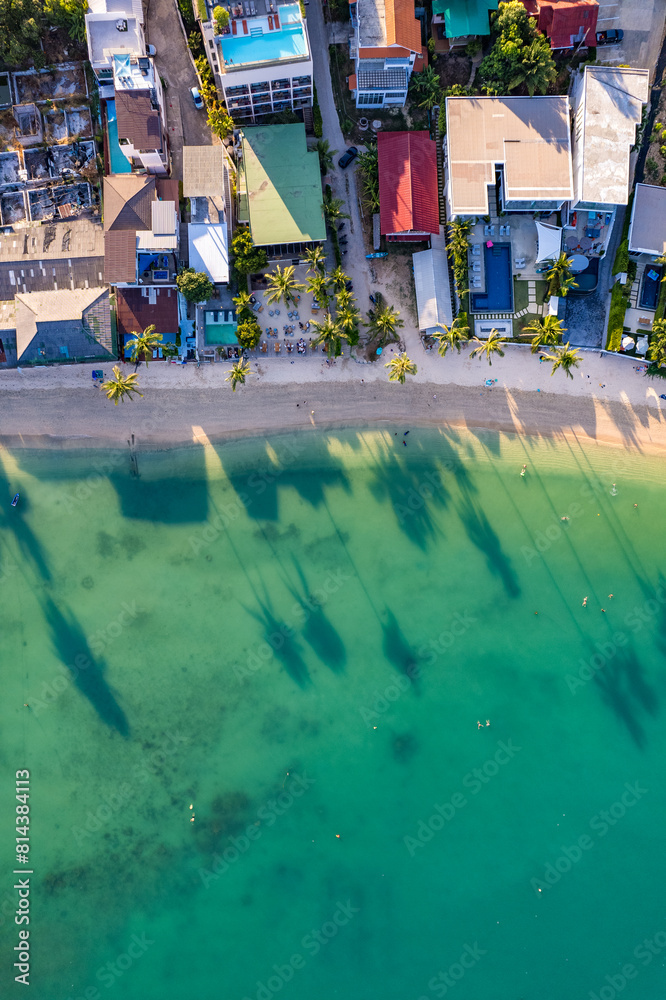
465	17
281	181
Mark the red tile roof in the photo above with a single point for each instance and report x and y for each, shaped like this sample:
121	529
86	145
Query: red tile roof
408	192
135	311
562	20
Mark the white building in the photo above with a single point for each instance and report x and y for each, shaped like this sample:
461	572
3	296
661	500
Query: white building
113	27
608	106
262	62
386	48
140	113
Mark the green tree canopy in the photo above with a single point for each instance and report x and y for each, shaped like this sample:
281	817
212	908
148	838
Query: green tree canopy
194	285
219	120
400	367
248	259
238	373
248	333
221	19
520	54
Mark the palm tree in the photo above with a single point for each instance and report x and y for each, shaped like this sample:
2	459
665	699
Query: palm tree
548	330
400	367
453	336
427	86
339	278
243	303
319	287
316	259
657	349
493	345
348	319
368	164
328	333
333	210
120	385
536	68
383	322
326	155
343	298
282	285
238	373
144	344
560	277
565	358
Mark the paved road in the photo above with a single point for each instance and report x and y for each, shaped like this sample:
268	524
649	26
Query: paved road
343	182
185	123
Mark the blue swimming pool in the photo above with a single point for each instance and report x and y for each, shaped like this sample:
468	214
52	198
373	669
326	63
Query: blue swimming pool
265	44
650	288
118	161
498	296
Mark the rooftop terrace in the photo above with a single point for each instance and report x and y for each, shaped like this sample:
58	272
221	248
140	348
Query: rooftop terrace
268	38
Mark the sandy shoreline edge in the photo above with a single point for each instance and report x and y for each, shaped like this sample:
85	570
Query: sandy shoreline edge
173	416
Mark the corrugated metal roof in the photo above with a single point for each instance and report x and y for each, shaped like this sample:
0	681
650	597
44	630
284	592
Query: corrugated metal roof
408	192
208	251
465	17
283	184
433	292
203	171
163	218
120	256
149	241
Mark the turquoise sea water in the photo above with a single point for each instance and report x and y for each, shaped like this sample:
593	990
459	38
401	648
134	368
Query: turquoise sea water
254	674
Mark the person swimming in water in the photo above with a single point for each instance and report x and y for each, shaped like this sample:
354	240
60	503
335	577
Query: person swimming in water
585	602
524	469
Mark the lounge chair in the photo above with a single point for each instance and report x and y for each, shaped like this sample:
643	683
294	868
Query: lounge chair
476	266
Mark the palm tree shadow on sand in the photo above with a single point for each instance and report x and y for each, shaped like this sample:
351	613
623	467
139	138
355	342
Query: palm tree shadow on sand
318	630
398	651
277	636
73	651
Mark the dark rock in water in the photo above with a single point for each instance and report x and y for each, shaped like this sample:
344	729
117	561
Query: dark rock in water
404	746
229	814
88	582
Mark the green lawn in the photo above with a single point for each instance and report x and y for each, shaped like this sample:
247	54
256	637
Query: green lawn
520	294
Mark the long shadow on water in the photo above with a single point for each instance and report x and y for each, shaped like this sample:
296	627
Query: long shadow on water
412	493
88	676
623	688
397	650
318	630
481	533
276	635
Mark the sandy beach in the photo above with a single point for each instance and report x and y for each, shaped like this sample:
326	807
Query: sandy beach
607	401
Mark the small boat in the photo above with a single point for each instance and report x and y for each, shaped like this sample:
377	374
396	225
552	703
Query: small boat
375	256
15	500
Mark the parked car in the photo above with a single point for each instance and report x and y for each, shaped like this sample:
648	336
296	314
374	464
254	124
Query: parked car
612	37
151	50
197	98
347	157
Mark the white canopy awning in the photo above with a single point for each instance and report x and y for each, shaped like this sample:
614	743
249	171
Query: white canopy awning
550	241
433	292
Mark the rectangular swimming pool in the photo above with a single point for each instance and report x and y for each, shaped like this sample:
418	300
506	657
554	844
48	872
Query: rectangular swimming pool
118	161
266	45
650	287
219	327
498	296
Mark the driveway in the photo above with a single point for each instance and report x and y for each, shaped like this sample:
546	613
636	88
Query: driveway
343	182
185	124
586	315
643	24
